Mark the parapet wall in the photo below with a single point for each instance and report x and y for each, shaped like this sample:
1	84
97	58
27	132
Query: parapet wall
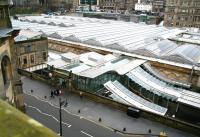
71	47
177	73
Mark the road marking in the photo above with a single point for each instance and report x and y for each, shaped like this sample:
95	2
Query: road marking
86	133
53	105
50	103
68	125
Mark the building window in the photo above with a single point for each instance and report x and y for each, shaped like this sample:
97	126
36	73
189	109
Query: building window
19	61
44	54
2	13
24	60
28	48
22	50
32	59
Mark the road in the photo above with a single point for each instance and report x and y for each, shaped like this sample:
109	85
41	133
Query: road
73	126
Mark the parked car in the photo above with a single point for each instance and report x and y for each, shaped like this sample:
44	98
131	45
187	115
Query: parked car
133	112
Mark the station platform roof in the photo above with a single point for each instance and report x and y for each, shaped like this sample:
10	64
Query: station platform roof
93	67
149	42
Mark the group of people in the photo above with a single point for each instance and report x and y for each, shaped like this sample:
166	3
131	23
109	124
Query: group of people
56	92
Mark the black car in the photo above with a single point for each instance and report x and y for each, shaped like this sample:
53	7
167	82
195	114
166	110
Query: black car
133	112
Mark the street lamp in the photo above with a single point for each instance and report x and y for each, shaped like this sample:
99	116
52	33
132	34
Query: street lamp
60	113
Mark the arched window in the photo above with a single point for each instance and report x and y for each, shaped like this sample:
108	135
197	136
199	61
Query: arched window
6	70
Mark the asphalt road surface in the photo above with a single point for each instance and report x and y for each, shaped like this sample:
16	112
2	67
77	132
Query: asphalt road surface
73	126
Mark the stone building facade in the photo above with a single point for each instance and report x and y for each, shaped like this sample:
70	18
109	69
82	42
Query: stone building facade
32	50
117	5
182	13
47	4
158	6
10	83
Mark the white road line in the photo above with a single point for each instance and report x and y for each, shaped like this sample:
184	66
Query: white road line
86	133
50	103
68	125
53	105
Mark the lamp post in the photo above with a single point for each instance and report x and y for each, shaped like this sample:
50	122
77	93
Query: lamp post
60	114
65	103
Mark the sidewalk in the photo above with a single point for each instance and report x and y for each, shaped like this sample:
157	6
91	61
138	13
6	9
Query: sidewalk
90	110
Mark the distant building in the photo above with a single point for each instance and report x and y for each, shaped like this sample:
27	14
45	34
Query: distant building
117	5
89	2
182	13
10	83
32	49
46	4
158	6
24	3
143	7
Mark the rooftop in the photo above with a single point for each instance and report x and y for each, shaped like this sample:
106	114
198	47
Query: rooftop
91	68
28	35
149	42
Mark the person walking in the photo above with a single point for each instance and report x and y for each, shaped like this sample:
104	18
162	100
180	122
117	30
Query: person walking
52	94
66	103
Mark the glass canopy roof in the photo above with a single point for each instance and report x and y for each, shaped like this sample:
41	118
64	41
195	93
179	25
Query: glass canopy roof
141	39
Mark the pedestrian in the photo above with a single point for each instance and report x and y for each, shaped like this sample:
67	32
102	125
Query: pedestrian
56	92
81	95
52	94
66	103
60	92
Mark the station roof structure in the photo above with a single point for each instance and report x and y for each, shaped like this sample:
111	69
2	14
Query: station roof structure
131	67
149	42
132	99
188	37
160	88
90	68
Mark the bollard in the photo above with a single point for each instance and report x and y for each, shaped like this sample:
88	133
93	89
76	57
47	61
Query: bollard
149	131
99	119
79	111
31	91
124	129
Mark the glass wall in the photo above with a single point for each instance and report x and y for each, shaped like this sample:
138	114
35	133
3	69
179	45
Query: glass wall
95	84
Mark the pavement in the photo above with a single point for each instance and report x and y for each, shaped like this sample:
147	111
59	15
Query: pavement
111	118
